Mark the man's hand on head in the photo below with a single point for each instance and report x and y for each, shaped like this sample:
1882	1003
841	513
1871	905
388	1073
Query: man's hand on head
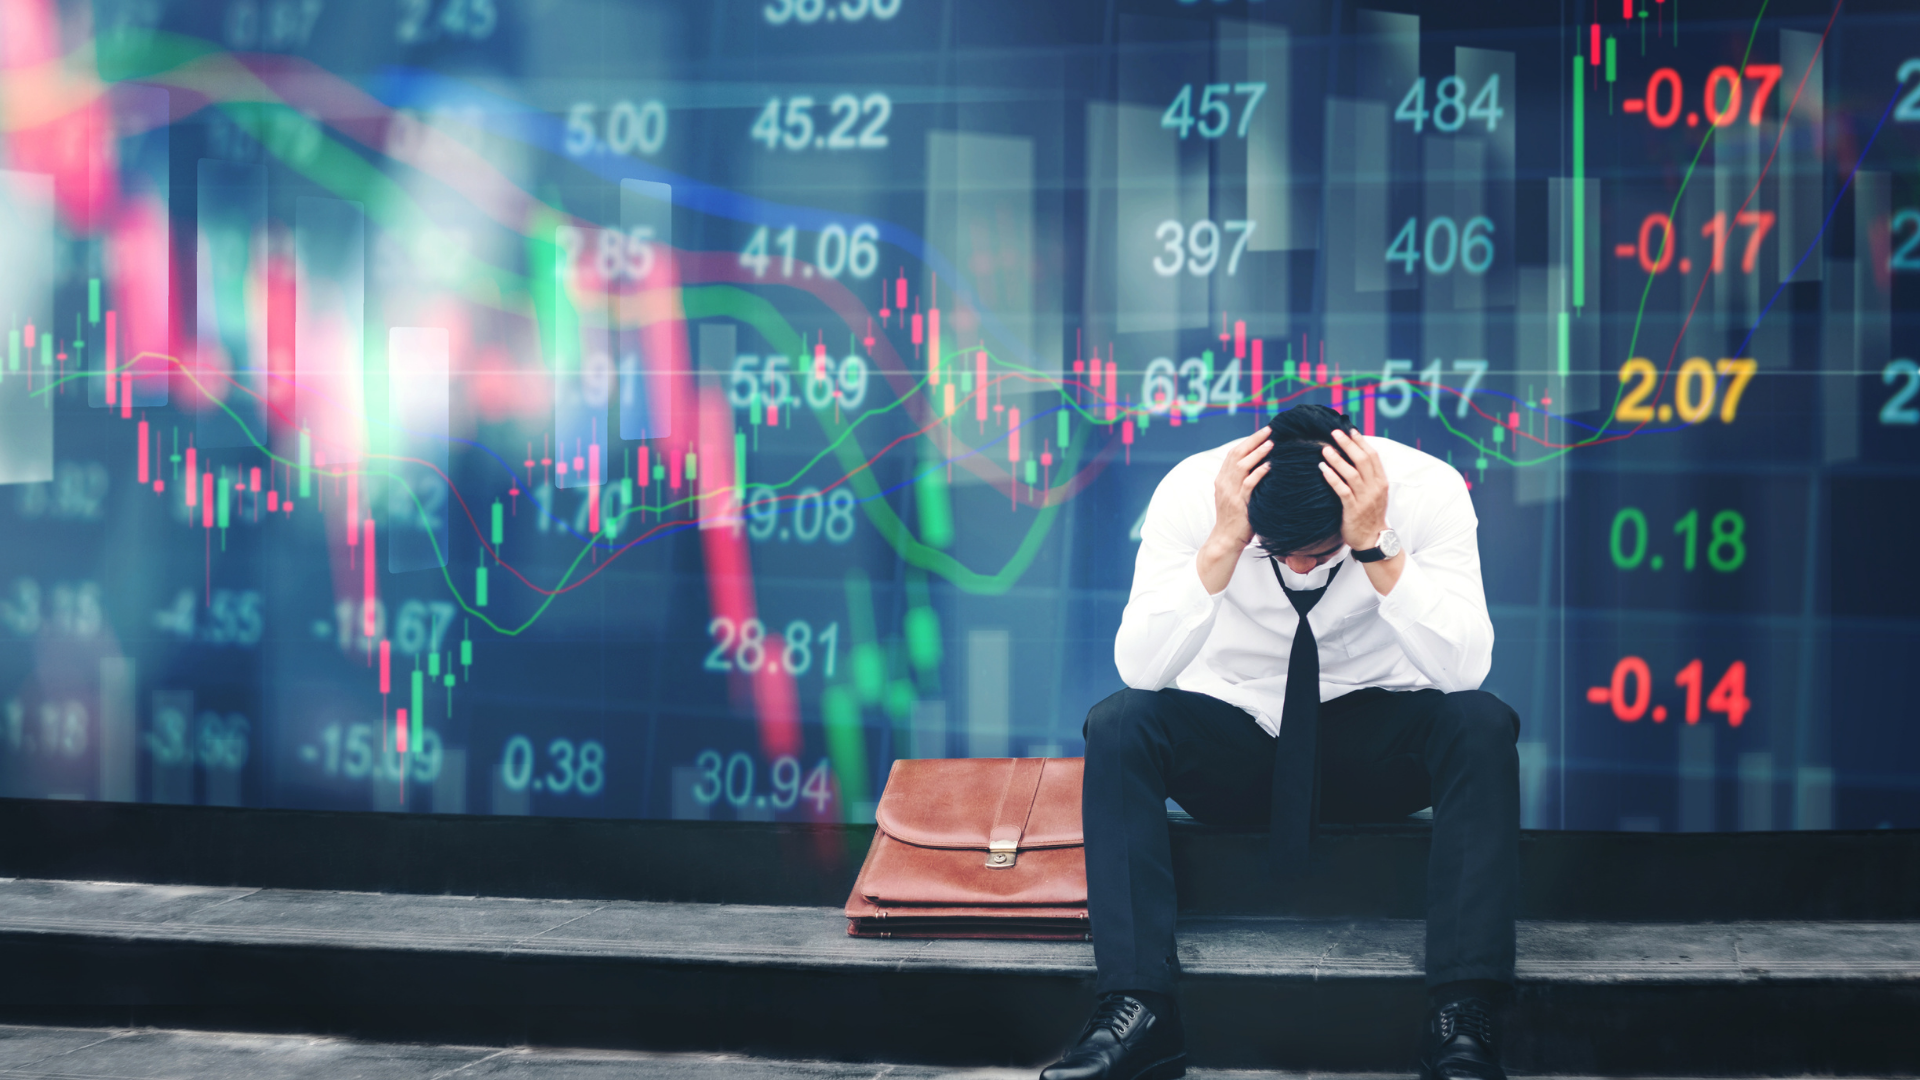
1354	472
1240	473
1245	465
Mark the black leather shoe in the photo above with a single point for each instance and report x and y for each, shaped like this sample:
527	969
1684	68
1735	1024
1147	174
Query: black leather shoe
1123	1041
1461	1043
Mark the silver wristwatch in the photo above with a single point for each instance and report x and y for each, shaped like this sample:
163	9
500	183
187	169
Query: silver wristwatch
1387	547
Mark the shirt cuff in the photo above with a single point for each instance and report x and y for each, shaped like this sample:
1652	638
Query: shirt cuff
1413	600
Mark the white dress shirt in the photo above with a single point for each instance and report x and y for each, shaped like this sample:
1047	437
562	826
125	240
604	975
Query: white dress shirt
1432	630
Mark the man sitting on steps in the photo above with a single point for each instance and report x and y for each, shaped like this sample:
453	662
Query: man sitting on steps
1273	683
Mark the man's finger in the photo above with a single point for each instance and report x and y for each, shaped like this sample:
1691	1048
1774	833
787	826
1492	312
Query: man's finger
1361	454
1254	456
1356	447
1252	480
1339	463
1342	449
1333	480
1366	460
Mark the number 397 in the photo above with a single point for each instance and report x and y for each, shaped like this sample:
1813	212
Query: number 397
1197	250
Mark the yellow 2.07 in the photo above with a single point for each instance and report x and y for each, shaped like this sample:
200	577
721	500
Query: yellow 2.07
1694	390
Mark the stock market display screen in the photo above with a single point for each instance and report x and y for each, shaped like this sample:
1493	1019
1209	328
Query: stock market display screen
646	409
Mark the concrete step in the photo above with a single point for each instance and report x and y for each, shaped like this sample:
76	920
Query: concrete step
1359	870
1767	998
56	1053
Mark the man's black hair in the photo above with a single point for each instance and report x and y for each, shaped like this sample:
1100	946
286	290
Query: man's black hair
1293	508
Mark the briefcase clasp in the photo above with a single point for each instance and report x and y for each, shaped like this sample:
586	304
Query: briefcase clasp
1001	854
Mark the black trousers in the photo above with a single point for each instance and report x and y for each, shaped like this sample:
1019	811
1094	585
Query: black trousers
1383	755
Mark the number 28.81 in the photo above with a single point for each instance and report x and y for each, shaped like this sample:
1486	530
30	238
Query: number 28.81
745	647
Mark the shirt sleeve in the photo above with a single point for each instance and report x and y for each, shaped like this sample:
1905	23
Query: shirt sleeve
1439	606
1169	613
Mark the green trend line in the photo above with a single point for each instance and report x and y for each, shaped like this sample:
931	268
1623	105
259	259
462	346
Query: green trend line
757	312
1646	291
343	171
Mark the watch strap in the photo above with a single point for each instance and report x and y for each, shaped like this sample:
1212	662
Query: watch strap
1379	551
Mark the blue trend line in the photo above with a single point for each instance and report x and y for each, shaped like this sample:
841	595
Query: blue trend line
1742	350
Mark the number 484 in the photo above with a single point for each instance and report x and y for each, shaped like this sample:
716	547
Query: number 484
1450	108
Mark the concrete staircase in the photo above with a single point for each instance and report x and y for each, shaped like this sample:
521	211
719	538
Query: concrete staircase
1793	979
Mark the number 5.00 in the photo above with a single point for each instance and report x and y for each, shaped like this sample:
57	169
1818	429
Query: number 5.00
629	128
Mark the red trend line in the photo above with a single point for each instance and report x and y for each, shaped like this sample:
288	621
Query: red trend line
368	121
1701	292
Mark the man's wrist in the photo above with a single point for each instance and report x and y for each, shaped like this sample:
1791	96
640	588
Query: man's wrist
1221	547
1216	561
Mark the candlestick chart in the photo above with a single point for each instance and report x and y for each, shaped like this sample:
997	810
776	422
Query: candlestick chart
656	410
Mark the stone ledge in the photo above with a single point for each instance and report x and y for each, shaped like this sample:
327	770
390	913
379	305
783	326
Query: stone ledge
814	938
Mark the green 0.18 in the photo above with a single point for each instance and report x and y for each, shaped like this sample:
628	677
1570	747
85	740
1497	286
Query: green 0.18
1726	544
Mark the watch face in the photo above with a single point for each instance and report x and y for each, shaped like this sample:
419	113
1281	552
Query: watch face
1389	543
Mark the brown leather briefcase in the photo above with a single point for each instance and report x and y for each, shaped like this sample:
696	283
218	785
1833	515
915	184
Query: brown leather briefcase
975	848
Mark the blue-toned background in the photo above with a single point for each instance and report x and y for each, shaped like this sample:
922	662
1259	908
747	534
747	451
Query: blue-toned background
685	409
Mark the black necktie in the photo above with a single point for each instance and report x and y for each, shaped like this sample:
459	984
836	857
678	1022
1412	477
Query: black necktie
1294	772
